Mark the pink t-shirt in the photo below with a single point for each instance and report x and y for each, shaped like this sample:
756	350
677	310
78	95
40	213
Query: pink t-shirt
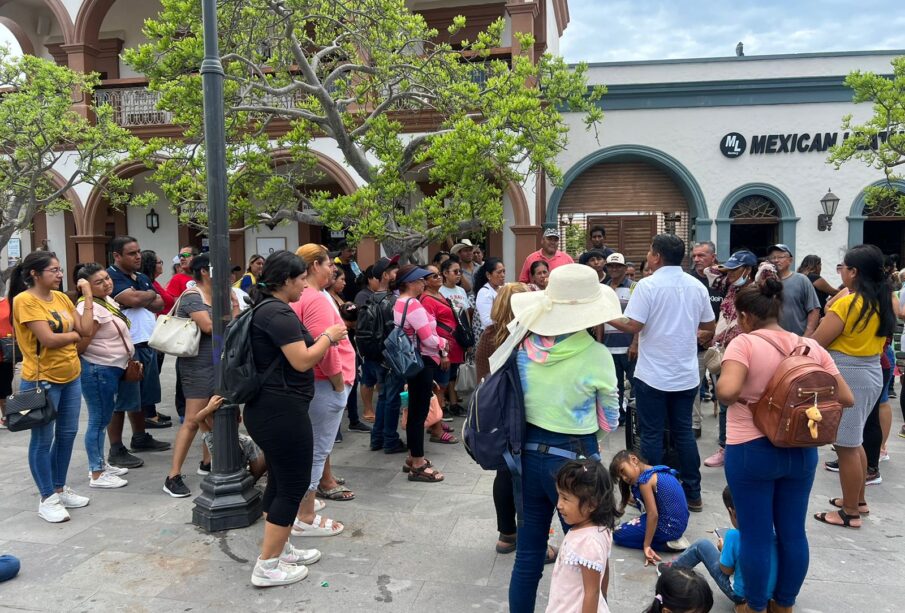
419	321
106	347
318	312
559	258
589	547
747	349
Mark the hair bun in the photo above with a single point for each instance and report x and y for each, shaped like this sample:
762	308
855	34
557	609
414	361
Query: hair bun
771	288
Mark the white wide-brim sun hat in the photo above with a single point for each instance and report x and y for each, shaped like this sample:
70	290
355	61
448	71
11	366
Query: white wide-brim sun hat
574	300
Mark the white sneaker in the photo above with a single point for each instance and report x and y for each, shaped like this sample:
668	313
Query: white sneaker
71	500
51	509
268	573
115	470
108	481
294	555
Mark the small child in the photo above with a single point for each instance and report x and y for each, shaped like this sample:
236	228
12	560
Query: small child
664	510
581	573
251	455
721	560
681	590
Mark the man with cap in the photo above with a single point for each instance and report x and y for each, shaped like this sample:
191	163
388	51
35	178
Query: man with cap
464	250
622	345
549	252
667	310
703	256
800	306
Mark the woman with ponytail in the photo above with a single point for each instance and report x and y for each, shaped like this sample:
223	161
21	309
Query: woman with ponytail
855	330
277	419
771	485
47	331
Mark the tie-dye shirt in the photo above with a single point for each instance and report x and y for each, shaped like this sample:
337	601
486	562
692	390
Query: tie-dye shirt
569	383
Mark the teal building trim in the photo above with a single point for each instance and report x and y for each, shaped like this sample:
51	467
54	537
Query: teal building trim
856	216
787	218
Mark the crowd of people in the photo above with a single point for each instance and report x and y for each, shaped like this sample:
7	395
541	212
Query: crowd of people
600	344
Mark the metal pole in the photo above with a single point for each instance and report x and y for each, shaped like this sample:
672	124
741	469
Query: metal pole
228	497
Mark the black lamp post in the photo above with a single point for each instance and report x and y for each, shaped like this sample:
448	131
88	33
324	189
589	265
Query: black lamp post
228	497
828	203
152	220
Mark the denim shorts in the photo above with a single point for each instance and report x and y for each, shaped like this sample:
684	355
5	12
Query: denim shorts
443	377
133	395
370	371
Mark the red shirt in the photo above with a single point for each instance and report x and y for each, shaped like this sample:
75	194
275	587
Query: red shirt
178	284
443	313
168	300
559	258
6	326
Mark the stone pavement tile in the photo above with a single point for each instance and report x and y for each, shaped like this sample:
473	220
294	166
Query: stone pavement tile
43	564
454	503
133	535
484	486
25	594
22	497
823	594
440	597
241	546
386	526
26	526
453	481
103	600
134	575
475	533
226	585
381	499
350	593
119	504
849	566
417	561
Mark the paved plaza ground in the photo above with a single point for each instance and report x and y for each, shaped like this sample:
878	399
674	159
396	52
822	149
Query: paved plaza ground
407	546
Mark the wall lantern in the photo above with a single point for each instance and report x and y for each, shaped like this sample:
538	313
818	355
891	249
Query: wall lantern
152	220
828	203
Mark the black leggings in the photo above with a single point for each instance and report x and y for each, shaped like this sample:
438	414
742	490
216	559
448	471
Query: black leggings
280	426
504	502
873	433
420	389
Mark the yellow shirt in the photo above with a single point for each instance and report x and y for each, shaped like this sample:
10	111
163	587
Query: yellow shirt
856	338
59	365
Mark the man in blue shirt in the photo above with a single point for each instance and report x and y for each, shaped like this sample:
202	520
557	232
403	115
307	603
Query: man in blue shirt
135	293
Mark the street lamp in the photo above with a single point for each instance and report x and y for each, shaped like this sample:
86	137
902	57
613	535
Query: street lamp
828	203
152	220
228	497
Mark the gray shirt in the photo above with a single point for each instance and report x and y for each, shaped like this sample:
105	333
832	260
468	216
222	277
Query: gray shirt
798	299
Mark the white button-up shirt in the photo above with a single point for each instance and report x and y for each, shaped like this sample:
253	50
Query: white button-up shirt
671	304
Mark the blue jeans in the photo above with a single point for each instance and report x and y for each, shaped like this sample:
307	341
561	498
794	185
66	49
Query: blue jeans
705	552
386	413
539	498
50	448
656	410
770	487
9	567
99	385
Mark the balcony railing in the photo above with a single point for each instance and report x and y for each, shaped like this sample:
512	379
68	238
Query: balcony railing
133	106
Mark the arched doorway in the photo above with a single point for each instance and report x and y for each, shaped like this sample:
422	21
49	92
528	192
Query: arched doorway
884	227
755	225
636	192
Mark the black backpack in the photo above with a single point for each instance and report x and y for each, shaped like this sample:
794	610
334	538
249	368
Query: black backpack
238	373
374	324
463	332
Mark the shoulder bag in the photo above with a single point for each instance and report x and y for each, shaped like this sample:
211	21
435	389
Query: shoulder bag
177	336
135	370
30	408
400	353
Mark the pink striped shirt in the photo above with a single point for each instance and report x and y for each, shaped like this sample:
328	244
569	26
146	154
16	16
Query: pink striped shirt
419	321
318	314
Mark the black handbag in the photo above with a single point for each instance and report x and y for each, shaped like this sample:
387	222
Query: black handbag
401	355
9	350
30	408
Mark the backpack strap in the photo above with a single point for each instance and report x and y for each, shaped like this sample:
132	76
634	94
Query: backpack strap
279	360
805	350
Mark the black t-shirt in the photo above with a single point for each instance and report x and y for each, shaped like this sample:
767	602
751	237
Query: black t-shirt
716	297
275	325
822	296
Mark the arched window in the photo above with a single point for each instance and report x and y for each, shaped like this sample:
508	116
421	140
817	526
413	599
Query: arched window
755	209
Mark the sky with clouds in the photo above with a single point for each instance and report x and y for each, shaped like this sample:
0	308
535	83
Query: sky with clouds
617	30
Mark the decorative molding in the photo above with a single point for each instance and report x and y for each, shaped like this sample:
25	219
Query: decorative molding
856	216
19	34
787	219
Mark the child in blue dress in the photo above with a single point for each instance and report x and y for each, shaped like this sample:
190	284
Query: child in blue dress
664	509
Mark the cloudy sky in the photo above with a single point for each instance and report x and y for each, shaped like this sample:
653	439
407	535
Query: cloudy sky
614	30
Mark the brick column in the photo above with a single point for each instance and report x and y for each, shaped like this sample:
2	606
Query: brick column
527	240
368	252
522	15
90	248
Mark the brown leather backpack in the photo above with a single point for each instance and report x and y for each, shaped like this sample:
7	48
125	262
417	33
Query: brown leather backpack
800	406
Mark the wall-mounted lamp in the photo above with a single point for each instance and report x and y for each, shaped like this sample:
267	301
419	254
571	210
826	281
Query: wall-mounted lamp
828	203
152	220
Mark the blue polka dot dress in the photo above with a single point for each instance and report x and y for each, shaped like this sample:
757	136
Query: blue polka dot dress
672	509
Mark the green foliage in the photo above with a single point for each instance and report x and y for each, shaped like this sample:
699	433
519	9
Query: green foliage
880	141
40	132
575	240
340	74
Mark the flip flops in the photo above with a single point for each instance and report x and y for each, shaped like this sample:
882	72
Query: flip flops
845	517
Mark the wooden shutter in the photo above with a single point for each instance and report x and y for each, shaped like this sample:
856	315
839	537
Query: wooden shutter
630	235
623	186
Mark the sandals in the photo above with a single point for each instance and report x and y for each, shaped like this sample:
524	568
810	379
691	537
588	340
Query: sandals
509	540
319	505
336	493
420	474
446	427
407	467
300	528
862	506
339	480
845	517
445	438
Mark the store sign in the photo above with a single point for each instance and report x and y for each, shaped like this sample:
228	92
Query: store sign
734	145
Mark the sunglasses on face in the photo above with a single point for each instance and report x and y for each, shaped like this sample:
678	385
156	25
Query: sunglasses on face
185	255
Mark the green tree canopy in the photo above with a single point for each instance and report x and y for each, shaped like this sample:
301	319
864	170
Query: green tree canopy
880	141
345	70
40	132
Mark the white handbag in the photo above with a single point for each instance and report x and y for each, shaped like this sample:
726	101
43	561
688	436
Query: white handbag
177	336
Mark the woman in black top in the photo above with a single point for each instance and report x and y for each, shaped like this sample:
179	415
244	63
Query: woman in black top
277	419
811	267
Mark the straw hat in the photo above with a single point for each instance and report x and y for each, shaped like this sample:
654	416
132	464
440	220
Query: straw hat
574	300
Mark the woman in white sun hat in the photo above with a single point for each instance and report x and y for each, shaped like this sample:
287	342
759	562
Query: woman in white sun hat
569	385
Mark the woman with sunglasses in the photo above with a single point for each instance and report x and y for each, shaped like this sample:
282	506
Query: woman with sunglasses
48	329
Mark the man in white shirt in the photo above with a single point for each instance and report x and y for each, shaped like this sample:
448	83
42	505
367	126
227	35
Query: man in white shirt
666	310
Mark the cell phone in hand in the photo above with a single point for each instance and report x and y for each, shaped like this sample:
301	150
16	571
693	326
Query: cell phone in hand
716	531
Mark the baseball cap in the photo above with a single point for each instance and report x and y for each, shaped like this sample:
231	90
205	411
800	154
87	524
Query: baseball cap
462	244
738	259
413	275
551	232
383	263
779	247
616	258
